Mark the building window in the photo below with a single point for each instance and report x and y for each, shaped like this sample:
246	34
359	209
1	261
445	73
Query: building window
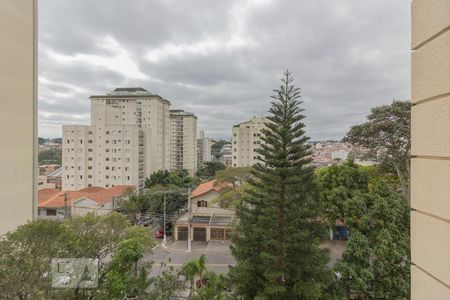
202	203
51	212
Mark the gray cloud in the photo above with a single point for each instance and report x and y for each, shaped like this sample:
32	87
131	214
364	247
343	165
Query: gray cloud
222	59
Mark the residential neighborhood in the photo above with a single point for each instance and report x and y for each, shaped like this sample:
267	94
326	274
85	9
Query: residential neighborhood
225	150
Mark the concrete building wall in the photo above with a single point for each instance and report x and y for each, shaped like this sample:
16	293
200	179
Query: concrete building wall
208	197
147	111
183	131
246	138
127	141
430	166
18	123
204	145
102	156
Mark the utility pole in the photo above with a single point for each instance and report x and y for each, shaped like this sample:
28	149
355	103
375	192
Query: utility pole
164	230
189	220
66	211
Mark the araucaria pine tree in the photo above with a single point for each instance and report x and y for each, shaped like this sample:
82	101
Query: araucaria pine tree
276	244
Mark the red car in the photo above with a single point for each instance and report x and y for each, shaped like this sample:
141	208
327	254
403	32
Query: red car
159	234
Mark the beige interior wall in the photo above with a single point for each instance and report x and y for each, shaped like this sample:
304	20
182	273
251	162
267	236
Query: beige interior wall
430	173
17	114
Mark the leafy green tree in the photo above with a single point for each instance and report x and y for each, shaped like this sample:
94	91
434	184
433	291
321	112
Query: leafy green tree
167	284
151	200
338	184
26	254
231	197
375	263
217	146
177	178
276	247
208	169
25	258
193	269
215	289
234	176
123	277
49	156
41	141
386	139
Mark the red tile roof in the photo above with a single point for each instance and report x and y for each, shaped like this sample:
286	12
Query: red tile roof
207	187
45	194
100	195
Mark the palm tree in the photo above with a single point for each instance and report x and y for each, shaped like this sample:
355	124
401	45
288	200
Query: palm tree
192	269
214	290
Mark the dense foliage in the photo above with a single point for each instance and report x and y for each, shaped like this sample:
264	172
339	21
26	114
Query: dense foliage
49	157
26	254
386	139
338	185
208	169
375	263
151	201
217	146
276	244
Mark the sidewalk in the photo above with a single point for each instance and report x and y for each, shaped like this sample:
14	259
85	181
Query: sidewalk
211	247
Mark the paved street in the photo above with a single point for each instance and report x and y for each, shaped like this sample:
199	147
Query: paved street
216	261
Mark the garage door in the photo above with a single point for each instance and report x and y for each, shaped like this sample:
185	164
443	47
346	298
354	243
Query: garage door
217	233
199	234
182	233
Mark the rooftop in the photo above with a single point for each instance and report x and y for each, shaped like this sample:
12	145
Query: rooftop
128	92
208	215
180	112
52	198
206	187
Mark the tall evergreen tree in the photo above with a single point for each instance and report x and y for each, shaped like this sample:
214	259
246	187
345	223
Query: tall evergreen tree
276	244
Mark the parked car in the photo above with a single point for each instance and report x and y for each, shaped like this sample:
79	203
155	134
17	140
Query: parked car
159	234
340	232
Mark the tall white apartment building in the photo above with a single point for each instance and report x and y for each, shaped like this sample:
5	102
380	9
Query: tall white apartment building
246	138
128	140
183	141
203	149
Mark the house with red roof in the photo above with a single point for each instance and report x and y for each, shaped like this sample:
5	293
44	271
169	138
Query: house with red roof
55	204
205	194
207	220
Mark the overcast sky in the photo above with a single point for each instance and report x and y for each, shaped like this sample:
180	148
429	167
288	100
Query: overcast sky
222	59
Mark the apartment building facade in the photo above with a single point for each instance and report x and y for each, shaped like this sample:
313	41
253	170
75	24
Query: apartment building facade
430	149
204	145
246	139
18	115
127	141
183	128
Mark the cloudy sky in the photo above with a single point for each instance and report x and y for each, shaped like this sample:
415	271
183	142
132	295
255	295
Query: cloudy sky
222	59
